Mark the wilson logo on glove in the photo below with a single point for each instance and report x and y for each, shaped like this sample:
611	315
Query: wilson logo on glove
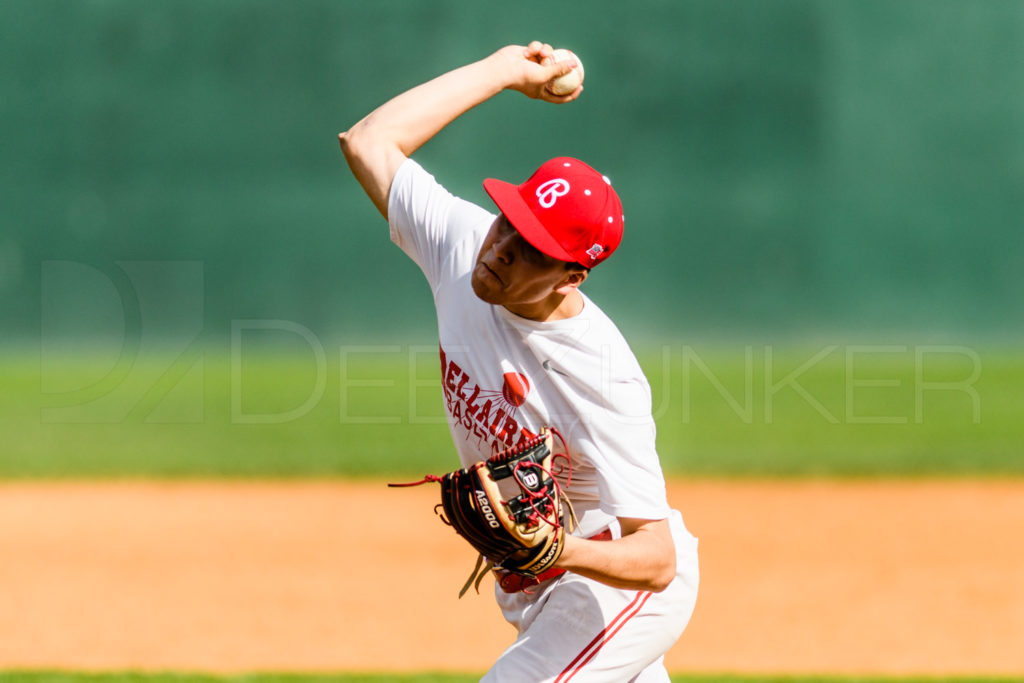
521	533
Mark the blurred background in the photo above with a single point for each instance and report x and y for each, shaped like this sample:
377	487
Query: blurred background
822	270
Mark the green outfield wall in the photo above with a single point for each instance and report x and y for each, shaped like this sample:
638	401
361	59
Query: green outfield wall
788	167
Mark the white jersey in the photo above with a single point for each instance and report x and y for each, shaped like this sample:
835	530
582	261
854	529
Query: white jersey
504	377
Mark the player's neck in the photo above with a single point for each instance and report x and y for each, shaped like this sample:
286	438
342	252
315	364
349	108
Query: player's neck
555	307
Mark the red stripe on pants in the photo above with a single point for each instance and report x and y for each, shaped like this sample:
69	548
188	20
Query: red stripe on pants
599	641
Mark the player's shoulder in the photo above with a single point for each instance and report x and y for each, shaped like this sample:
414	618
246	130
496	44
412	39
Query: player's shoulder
603	329
430	222
413	182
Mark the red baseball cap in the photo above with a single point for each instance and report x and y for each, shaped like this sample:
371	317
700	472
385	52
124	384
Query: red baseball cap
566	209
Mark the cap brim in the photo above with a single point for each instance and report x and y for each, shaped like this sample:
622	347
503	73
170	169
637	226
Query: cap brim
506	197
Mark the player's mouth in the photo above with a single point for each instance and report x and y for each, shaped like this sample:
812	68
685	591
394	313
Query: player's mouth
493	274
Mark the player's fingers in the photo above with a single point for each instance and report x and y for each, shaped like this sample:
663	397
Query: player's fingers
553	69
571	61
562	99
533	50
539	52
550	59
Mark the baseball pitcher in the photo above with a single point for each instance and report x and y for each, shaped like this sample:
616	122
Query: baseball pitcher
560	489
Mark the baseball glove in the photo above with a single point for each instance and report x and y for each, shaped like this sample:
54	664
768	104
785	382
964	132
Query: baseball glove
510	507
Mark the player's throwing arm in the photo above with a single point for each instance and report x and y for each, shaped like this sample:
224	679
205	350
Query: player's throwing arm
378	144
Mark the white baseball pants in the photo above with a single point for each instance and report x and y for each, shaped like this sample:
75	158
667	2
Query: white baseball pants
576	629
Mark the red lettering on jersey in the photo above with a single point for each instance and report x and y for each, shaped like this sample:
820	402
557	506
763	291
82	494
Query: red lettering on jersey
449	377
507	431
462	383
498	417
485	413
493	420
471	406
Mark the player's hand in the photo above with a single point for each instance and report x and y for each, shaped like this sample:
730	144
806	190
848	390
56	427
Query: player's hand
522	69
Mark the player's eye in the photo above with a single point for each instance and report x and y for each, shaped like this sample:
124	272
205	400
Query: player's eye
532	254
504	227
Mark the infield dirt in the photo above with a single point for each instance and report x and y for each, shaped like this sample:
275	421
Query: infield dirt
825	577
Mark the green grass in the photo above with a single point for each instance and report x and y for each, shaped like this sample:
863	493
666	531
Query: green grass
860	411
71	677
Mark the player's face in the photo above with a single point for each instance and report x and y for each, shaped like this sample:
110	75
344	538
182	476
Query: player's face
511	272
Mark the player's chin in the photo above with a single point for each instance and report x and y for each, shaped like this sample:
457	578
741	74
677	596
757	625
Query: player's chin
485	285
486	294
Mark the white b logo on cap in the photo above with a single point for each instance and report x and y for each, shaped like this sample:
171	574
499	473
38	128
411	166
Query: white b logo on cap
551	190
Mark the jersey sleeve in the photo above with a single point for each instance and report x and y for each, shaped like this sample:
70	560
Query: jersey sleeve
427	222
629	474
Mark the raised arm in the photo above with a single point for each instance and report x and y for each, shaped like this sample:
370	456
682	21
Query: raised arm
378	144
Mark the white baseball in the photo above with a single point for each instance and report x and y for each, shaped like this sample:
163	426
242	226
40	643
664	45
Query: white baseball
566	84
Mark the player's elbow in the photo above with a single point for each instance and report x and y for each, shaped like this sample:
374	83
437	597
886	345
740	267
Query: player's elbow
361	143
373	161
662	574
661	566
654	552
353	144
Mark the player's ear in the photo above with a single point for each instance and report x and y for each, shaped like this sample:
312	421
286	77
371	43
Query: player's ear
574	277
